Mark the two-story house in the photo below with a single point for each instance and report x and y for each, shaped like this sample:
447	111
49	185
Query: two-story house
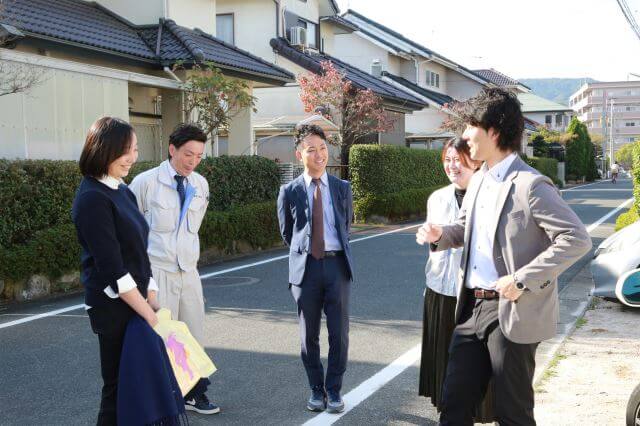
298	35
114	57
413	68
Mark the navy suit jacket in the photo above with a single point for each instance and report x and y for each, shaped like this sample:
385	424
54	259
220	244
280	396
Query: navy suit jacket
294	216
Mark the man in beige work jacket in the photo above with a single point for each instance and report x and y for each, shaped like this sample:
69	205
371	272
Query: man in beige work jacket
174	199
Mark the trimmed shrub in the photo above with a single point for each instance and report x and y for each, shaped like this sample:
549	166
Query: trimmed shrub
627	218
37	194
401	205
384	169
546	166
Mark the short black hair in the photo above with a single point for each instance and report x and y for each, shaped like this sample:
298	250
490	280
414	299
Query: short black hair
108	139
185	132
307	130
498	109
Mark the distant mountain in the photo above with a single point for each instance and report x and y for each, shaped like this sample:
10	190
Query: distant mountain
555	89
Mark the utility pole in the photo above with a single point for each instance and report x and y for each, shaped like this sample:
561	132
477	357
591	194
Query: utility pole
605	134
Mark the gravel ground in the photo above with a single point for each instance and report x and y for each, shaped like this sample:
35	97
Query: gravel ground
595	371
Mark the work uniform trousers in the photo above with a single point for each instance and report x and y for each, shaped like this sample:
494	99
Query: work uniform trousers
181	293
326	286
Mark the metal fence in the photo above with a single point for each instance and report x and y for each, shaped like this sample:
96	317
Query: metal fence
290	171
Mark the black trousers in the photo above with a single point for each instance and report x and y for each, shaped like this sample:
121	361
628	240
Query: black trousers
109	322
326	287
479	351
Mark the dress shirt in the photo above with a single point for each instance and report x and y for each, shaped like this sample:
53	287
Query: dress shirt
481	272
331	240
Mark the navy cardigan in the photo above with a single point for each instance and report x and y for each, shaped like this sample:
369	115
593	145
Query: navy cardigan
113	235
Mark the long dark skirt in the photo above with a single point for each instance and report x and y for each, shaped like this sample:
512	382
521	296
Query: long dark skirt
437	328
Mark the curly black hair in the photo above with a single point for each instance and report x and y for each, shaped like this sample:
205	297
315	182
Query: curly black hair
498	109
307	130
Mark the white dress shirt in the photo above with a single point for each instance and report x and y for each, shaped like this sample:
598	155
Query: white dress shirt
481	272
331	240
126	282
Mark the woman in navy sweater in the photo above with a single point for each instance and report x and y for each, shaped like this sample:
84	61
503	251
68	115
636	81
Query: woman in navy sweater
113	235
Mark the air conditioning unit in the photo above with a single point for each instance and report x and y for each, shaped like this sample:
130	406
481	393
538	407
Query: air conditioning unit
299	37
376	68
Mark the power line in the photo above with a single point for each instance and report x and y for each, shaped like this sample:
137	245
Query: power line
629	16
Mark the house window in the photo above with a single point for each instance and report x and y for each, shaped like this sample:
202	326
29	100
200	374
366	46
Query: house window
548	119
558	120
630	124
224	27
432	79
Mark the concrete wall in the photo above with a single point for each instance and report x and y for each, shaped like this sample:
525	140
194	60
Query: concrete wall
52	120
193	13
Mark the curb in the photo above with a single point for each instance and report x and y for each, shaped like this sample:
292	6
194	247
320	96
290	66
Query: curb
560	339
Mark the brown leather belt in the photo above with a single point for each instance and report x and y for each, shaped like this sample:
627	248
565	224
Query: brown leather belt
480	293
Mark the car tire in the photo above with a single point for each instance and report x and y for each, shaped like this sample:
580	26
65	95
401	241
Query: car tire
633	408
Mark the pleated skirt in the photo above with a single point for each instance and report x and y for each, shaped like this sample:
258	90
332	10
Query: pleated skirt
437	329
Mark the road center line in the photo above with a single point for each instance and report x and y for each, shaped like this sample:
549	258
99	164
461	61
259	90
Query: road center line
204	276
597	223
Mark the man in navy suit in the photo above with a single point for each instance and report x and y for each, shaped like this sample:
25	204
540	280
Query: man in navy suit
314	211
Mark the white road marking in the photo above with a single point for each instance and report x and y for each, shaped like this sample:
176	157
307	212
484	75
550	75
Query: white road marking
367	388
597	223
204	276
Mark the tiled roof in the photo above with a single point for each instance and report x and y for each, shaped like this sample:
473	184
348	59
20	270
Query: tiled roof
397	41
531	125
312	62
436	97
77	22
534	103
91	26
497	78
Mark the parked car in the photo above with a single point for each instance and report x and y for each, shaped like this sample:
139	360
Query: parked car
628	291
614	257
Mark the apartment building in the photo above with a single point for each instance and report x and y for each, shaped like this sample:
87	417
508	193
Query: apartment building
604	106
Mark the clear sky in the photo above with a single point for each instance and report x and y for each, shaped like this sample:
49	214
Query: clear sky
523	39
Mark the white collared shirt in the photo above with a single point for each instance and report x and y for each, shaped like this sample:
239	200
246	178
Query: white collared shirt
126	282
173	173
331	240
481	271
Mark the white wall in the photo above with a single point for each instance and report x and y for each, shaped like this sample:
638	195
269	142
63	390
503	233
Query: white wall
460	87
254	25
427	120
438	69
140	12
309	10
361	53
52	120
193	14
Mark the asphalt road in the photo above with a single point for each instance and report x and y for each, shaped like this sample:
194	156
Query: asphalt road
49	367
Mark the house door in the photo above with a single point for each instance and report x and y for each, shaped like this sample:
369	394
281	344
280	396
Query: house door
149	141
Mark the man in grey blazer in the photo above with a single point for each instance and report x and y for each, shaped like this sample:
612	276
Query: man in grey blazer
314	211
518	236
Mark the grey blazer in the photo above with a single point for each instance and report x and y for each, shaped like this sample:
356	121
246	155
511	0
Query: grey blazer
537	237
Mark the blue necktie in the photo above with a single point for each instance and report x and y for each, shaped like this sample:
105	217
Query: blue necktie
181	192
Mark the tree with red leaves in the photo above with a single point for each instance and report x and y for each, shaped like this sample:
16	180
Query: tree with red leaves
357	112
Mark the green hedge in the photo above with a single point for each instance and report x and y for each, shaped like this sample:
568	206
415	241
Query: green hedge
546	166
55	251
627	218
37	194
402	205
385	169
